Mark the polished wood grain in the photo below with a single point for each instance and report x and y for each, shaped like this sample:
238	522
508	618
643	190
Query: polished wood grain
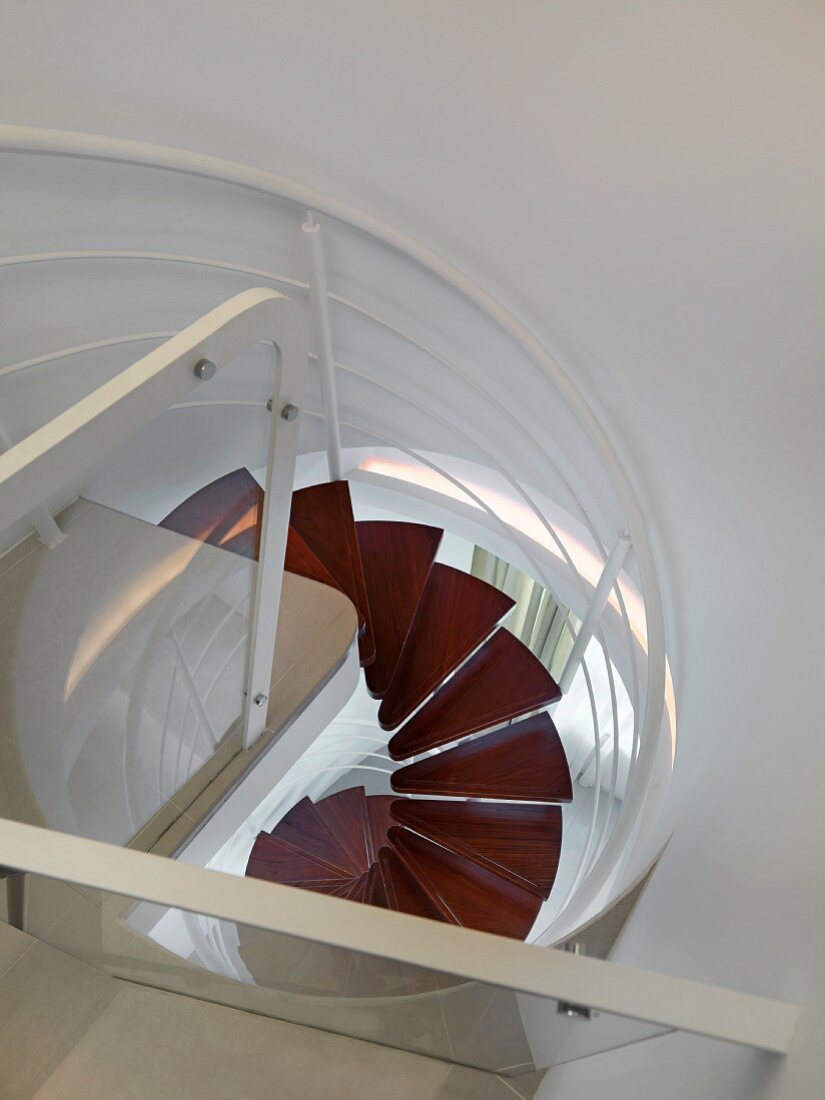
403	892
224	513
454	616
520	843
375	894
301	560
335	888
278	861
379	821
345	816
354	889
502	681
322	516
465	892
397	558
523	762
306	828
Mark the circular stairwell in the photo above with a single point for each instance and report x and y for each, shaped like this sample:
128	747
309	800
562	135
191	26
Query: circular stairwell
477	838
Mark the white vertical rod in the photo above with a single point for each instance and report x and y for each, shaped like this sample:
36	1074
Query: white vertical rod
610	573
319	306
266	596
40	517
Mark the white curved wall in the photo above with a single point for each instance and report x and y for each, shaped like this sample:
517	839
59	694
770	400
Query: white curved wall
643	184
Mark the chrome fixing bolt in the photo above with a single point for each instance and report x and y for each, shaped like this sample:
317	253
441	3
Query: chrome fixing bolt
289	412
259	699
566	1008
204	369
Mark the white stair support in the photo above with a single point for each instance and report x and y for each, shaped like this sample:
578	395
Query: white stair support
319	306
42	520
610	573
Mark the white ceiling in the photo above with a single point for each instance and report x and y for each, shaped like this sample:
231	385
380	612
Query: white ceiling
643	183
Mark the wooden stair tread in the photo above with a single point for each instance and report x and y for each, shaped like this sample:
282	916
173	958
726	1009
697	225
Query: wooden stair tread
277	861
379	821
345	816
301	560
519	842
465	892
226	513
375	894
523	762
396	558
455	615
335	888
358	888
404	893
350	889
322	516
502	681
305	829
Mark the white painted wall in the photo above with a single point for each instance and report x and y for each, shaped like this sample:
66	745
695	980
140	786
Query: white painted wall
642	182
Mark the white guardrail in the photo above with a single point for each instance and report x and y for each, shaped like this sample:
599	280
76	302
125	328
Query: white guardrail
601	854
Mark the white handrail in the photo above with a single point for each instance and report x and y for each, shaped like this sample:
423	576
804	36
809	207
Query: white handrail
494	960
78	438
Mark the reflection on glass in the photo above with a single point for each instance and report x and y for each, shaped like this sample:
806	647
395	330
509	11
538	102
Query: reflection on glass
122	658
355	994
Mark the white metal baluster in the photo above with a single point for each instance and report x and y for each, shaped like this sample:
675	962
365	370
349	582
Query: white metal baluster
40	517
612	568
280	477
319	306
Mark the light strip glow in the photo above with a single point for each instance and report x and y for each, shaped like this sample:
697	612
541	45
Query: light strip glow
121	609
520	518
524	520
247	521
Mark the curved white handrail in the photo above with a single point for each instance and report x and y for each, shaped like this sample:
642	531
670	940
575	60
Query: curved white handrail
76	439
98	147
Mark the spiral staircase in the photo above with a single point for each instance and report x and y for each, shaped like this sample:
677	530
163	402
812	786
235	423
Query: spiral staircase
477	840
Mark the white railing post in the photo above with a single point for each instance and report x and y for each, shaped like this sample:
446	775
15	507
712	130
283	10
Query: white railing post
610	573
269	573
40	517
319	307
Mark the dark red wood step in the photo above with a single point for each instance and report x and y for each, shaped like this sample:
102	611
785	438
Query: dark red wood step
375	894
397	558
523	762
520	843
502	681
306	829
358	888
403	892
379	821
345	816
337	889
301	560
278	861
455	615
465	892
227	512
352	889
322	516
